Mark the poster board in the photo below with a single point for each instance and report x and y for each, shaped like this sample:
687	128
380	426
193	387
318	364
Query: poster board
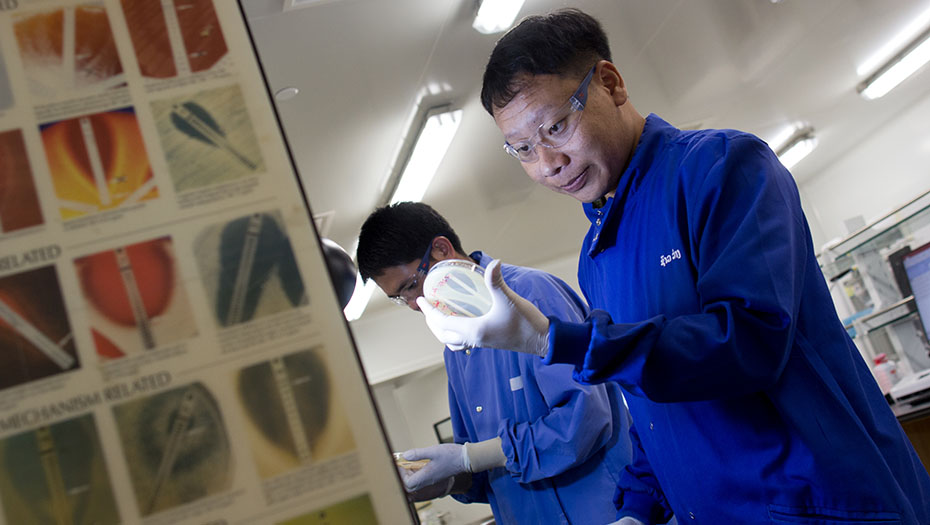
171	348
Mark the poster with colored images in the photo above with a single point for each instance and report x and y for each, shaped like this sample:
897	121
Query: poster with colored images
171	347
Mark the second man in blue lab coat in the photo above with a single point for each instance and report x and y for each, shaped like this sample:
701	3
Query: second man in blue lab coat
529	440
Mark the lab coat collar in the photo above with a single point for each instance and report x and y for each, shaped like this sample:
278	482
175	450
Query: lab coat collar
479	257
656	134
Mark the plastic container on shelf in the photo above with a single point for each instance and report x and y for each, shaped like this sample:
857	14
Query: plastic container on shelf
885	372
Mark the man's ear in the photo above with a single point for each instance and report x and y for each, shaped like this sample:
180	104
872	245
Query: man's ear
609	77
442	249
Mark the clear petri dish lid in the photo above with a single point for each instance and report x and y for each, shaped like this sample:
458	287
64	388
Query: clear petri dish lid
456	287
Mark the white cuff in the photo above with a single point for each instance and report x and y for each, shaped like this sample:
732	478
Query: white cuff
484	455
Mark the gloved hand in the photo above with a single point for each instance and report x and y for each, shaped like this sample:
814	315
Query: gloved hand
446	461
437	490
513	323
627	520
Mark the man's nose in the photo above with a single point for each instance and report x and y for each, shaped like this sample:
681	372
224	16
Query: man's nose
412	303
551	160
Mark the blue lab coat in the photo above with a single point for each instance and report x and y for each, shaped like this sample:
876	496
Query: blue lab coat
749	399
565	443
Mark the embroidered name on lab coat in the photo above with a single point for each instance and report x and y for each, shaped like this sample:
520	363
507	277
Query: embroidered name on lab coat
665	259
516	383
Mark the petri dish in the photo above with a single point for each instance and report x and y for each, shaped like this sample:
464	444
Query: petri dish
456	287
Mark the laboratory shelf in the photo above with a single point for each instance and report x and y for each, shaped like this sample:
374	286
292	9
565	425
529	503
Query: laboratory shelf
900	311
900	222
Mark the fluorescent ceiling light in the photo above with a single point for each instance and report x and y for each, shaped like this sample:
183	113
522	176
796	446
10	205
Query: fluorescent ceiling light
286	93
797	146
898	42
433	140
431	144
495	16
911	57
297	4
360	298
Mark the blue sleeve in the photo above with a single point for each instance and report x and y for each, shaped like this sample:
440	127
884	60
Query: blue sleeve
579	420
749	252
577	425
638	492
478	492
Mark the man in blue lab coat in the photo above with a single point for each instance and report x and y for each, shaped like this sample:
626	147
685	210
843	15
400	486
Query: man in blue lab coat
750	402
529	440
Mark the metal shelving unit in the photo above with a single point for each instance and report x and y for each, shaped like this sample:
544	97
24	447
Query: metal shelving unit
897	224
888	323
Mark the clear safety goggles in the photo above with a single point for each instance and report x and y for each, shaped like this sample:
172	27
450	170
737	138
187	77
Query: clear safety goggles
409	290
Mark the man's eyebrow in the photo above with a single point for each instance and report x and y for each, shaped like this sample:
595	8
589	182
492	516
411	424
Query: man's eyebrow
403	285
534	114
540	117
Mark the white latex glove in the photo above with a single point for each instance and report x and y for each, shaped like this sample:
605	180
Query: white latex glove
513	323
627	520
446	461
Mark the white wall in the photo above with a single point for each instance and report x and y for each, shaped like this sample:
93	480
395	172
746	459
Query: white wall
890	167
394	341
392	417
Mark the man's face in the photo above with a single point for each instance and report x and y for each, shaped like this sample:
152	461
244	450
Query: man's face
402	281
589	165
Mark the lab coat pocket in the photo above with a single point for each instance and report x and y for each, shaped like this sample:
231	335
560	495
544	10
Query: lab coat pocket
825	516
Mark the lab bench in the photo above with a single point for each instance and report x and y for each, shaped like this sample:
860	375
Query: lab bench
915	420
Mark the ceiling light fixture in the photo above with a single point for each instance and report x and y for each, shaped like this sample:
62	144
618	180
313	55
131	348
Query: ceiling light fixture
434	136
797	146
286	93
911	56
437	129
297	4
360	297
495	16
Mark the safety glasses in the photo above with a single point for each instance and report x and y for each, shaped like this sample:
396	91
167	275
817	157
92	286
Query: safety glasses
409	290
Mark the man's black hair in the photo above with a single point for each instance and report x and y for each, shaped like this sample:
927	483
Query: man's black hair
399	233
566	42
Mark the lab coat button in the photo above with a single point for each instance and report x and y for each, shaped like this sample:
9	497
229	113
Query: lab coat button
479	408
468	352
597	222
691	515
651	426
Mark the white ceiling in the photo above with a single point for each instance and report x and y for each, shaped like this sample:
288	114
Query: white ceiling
362	67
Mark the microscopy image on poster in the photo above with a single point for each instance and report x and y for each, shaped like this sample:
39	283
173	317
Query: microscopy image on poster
36	340
138	301
293	414
98	162
176	447
56	475
19	202
207	138
6	94
68	52
174	37
356	511
248	268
